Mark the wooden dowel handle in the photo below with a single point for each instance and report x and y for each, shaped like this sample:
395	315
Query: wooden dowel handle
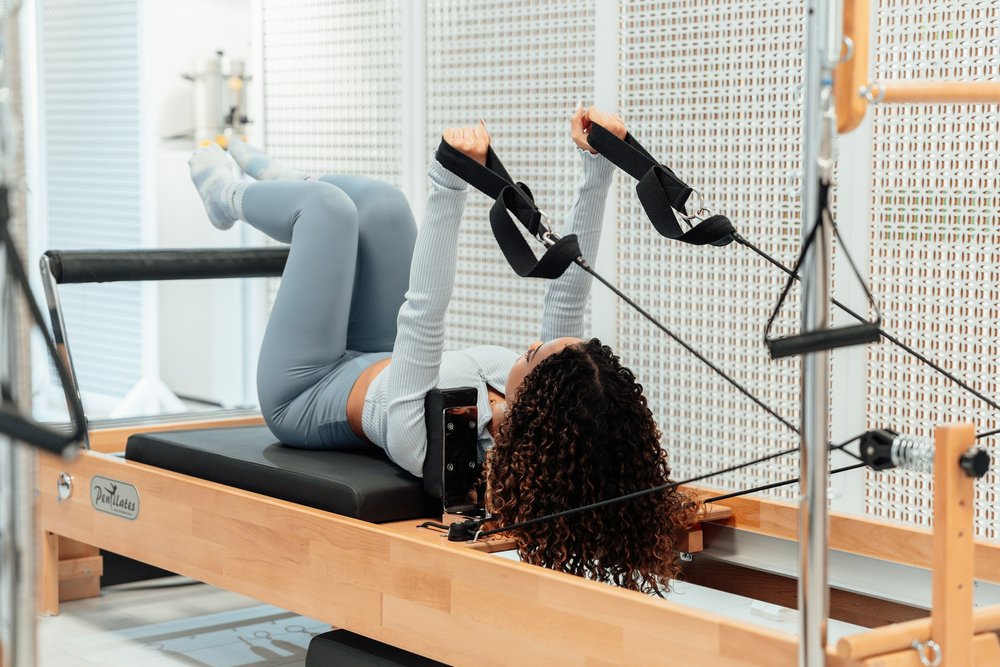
987	653
899	636
942	92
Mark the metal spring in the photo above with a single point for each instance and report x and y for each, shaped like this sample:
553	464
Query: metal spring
913	453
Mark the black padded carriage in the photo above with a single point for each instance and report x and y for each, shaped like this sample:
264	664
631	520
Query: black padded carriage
362	484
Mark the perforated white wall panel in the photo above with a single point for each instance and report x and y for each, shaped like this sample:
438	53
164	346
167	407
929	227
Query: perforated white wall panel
521	65
332	100
935	259
89	100
709	88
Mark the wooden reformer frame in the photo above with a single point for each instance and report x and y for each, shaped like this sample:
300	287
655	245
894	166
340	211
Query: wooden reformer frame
412	589
853	91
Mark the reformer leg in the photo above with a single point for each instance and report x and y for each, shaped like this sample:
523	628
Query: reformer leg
386	236
47	589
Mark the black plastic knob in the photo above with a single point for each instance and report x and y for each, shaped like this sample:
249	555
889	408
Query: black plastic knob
876	448
975	462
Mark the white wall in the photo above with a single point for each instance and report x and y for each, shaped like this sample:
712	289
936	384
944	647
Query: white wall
201	347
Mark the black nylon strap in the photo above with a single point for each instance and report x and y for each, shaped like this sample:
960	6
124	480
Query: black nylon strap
660	191
489	180
512	198
517	199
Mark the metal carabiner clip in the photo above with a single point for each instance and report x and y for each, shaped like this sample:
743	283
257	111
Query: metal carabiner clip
699	212
546	235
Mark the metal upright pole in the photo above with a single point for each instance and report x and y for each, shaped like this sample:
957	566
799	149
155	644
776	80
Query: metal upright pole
17	460
822	45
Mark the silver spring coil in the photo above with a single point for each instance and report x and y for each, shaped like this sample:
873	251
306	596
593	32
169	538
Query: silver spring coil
913	453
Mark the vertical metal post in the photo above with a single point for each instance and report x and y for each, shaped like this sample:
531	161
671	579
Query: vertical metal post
822	47
17	559
17	461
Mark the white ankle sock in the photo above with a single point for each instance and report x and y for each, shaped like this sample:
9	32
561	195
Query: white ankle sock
220	191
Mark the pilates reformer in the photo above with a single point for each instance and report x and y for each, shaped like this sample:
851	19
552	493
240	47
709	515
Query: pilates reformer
411	588
392	581
215	531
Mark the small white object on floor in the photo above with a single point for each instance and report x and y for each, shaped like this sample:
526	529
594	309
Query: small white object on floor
772	612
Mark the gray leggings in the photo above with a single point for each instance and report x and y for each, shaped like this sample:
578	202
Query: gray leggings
335	312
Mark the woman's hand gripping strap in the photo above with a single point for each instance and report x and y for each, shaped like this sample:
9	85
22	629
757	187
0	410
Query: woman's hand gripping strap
494	181
660	191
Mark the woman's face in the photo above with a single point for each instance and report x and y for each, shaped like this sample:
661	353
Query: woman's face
526	363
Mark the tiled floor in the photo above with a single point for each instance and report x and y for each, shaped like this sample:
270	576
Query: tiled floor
173	622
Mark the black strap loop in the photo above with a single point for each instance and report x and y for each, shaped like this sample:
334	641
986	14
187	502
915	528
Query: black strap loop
494	181
558	256
660	191
824	339
490	180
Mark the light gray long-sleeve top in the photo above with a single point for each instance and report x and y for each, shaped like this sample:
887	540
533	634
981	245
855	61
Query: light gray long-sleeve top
393	416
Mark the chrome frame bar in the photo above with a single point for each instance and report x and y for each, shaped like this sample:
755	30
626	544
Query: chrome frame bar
17	558
17	460
822	52
59	334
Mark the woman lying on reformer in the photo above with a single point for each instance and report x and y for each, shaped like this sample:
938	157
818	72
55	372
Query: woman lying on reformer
570	423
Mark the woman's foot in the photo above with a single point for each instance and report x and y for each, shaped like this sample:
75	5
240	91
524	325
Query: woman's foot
258	164
221	192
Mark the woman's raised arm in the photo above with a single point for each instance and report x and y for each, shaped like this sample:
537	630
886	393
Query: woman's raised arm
566	296
416	356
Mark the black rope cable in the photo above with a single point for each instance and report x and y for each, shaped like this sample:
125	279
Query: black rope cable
686	346
493	180
435	525
885	334
516	199
669	486
660	190
775	485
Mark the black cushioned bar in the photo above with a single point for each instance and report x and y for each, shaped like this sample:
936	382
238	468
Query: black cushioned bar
105	266
341	648
361	484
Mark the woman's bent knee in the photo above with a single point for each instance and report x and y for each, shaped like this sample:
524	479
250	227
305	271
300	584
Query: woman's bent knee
330	203
385	204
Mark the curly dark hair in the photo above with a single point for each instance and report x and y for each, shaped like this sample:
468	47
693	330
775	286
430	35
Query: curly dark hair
579	431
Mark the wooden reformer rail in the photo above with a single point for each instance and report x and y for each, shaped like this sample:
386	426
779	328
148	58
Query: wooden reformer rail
403	587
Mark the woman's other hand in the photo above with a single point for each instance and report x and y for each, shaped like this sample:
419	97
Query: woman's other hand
582	119
473	141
